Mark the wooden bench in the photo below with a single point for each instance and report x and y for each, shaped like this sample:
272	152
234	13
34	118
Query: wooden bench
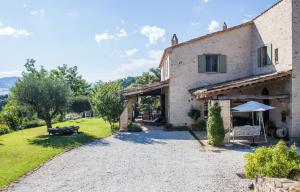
63	130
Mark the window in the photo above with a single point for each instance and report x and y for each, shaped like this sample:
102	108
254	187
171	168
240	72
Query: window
263	55
212	63
276	56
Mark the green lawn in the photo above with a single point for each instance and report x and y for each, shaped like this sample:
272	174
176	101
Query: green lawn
22	151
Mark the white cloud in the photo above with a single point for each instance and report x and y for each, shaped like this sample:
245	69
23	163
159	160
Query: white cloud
24	5
214	26
40	12
122	33
153	33
129	53
123	21
205	1
140	64
155	54
15	73
1	24
10	31
103	37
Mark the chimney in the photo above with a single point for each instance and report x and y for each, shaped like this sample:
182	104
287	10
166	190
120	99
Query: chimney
225	26
174	40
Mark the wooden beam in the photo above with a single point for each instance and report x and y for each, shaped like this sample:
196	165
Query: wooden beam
243	97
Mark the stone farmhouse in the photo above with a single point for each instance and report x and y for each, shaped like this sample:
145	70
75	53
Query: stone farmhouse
257	60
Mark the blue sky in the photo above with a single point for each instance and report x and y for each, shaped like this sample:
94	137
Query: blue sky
108	39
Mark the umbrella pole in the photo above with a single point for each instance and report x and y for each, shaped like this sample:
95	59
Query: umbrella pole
262	121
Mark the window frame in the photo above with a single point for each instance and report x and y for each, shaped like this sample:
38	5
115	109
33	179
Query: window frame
210	64
276	53
264	55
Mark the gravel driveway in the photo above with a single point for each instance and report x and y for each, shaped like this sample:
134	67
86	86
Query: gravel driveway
152	161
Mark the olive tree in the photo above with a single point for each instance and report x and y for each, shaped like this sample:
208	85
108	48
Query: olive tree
108	101
46	95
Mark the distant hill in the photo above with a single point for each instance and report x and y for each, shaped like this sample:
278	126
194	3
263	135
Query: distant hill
6	83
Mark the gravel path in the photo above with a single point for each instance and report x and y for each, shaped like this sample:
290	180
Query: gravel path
152	161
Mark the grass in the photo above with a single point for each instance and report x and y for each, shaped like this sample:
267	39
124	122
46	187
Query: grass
25	150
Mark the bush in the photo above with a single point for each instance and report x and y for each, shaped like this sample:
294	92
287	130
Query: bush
294	174
275	161
200	125
215	128
80	104
135	127
194	113
4	129
34	123
168	126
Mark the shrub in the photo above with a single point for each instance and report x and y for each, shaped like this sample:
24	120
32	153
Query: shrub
4	129
80	104
168	126
294	174
34	123
215	128
135	127
275	161
194	113
200	125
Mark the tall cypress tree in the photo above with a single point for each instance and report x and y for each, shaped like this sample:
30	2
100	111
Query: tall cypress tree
215	127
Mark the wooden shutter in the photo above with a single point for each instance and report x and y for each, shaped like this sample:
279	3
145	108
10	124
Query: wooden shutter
222	64
269	54
201	64
259	57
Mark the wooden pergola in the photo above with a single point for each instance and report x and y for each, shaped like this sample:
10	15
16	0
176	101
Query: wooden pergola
215	91
152	89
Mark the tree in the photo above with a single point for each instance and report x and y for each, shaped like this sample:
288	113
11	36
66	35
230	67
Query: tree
108	101
46	95
148	77
215	128
14	115
128	81
80	104
3	99
78	85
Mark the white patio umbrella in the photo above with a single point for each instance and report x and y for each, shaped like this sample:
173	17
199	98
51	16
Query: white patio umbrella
253	106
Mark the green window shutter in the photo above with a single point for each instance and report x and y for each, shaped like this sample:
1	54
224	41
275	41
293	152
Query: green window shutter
269	54
259	57
201	64
222	64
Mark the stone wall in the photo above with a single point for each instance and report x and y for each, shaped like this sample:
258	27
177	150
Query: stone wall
295	132
236	44
274	28
124	119
266	184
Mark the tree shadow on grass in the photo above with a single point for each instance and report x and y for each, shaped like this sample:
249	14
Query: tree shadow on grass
62	141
